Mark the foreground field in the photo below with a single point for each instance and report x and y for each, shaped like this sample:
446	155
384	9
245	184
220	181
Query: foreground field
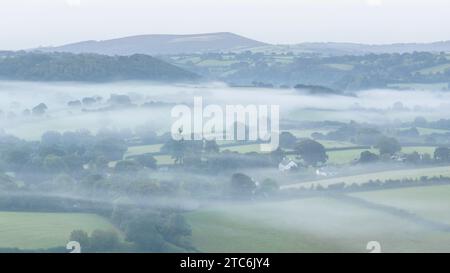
26	230
432	203
308	225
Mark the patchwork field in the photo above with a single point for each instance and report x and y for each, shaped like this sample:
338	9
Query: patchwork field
30	230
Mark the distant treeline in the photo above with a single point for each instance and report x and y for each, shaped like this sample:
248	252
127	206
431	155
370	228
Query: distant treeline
380	185
36	66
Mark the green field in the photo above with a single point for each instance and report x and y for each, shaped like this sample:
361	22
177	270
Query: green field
30	230
429	131
344	67
429	202
420	149
247	148
164	160
143	149
435	69
346	156
329	144
306	133
363	178
307	225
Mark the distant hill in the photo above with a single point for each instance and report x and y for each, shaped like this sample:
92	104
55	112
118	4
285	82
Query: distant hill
87	67
161	44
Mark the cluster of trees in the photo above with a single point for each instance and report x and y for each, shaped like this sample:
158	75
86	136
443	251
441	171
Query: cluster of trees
390	146
205	155
151	230
144	231
58	153
36	66
98	241
354	132
244	187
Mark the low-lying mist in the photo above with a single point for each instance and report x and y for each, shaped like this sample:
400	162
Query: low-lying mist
89	165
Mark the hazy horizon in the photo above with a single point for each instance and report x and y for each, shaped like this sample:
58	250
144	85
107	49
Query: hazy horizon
57	22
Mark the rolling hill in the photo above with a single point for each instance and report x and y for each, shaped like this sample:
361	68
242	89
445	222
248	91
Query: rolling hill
167	44
161	44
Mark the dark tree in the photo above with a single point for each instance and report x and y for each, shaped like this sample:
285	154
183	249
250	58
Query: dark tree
211	147
104	240
176	149
442	154
287	140
388	145
413	158
268	186
420	122
39	110
82	237
143	232
368	157
242	185
127	166
312	152
147	161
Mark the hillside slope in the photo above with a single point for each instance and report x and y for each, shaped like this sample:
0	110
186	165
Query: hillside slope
161	44
88	67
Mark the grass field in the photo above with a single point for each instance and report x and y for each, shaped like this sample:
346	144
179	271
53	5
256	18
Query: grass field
306	133
164	160
346	156
435	69
345	67
362	178
429	131
429	202
420	149
144	149
328	144
307	225
247	148
30	230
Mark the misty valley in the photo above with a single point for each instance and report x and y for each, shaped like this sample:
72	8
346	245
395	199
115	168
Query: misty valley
95	162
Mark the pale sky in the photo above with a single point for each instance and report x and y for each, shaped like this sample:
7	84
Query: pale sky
33	23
